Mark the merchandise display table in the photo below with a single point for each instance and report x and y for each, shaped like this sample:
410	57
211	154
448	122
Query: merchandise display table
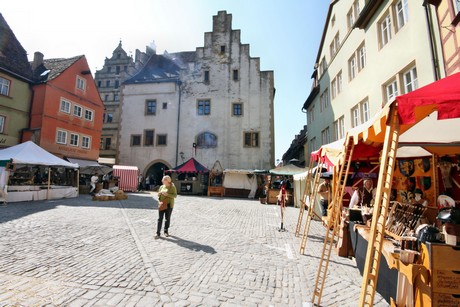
388	277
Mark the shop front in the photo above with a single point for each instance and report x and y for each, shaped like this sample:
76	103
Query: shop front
417	159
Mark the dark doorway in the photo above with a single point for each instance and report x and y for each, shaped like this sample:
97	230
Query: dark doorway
155	174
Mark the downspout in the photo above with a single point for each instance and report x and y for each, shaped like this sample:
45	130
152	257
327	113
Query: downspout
434	52
178	122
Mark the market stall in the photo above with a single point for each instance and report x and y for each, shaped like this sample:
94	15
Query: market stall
216	177
242	183
29	173
190	177
418	119
127	177
277	176
90	168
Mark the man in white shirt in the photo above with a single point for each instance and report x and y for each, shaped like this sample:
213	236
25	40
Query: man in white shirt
94	180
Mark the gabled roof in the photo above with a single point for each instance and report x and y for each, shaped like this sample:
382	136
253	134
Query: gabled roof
13	57
191	166
55	68
159	68
181	58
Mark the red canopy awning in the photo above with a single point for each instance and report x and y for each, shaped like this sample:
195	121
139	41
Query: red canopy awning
442	95
191	166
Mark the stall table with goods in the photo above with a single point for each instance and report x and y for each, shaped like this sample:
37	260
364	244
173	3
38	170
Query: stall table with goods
414	217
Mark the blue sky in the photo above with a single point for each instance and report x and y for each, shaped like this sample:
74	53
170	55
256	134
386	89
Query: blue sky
285	35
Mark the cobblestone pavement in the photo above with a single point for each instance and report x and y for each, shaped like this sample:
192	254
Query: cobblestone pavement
221	252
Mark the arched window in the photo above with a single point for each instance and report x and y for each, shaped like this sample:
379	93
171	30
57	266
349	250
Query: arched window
206	140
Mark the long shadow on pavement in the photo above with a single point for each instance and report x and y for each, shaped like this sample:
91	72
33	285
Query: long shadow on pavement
190	245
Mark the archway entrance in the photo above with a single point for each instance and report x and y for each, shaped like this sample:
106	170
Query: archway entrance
154	174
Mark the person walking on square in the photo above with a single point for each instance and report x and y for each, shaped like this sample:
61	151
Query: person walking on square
94	180
324	191
282	199
166	195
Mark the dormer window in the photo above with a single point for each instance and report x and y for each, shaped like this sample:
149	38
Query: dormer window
81	83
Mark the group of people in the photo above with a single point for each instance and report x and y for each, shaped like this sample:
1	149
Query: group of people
361	197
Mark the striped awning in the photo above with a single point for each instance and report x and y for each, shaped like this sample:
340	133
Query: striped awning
128	177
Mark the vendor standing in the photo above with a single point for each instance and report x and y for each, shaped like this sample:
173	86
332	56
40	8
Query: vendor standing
325	192
368	193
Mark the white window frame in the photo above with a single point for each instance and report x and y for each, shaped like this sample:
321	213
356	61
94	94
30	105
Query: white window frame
333	91
81	83
61	137
350	19
85	142
385	30
5	85
391	90
410	80
77	110
89	114
339	128
74	139
339	82
65	106
402	13
365	111
356	7
352	67
334	46
355	116
361	57
2	123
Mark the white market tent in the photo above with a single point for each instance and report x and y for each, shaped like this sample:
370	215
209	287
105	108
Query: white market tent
29	153
89	167
240	179
32	154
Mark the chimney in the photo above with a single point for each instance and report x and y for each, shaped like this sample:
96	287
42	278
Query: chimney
38	60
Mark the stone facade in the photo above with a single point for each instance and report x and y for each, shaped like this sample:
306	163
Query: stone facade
366	58
211	104
115	71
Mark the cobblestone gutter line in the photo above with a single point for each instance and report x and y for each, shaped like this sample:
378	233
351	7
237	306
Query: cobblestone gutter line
159	287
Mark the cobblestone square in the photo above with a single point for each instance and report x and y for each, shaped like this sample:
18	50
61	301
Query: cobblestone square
221	252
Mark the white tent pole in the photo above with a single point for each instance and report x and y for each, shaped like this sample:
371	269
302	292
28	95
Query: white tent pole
49	181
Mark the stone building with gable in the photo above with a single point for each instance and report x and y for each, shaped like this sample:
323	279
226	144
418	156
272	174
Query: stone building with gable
213	104
119	67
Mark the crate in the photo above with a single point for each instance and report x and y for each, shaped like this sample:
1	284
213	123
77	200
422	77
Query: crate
446	299
444	269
